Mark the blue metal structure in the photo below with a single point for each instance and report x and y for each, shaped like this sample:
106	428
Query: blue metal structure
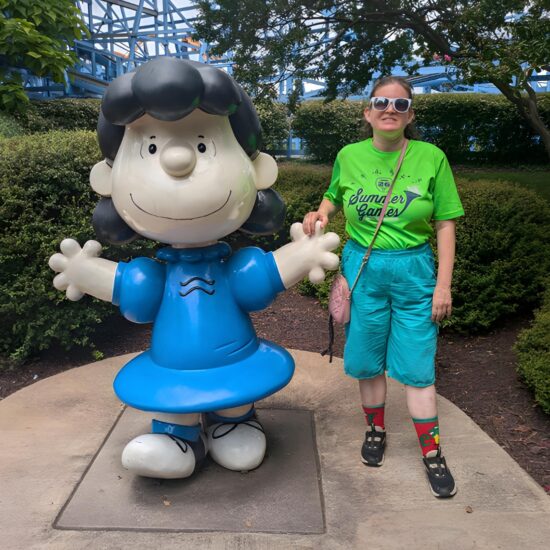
126	33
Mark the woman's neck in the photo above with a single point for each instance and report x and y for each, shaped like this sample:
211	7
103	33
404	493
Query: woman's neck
388	143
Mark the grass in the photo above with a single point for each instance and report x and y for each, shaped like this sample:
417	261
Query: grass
535	179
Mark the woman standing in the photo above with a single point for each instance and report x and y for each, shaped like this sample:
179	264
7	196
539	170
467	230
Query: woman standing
399	300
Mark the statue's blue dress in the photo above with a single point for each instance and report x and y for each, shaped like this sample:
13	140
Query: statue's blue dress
205	354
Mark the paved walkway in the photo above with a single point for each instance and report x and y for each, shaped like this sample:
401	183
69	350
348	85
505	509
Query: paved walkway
51	431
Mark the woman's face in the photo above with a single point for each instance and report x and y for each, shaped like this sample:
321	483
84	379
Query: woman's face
389	123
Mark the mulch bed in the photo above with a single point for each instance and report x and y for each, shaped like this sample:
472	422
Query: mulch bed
477	373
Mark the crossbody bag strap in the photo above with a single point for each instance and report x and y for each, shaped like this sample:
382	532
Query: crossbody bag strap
382	213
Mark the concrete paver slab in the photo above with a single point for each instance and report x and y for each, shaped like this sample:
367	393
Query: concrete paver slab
269	499
52	430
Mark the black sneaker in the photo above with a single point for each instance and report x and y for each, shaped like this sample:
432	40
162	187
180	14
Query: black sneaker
372	452
442	483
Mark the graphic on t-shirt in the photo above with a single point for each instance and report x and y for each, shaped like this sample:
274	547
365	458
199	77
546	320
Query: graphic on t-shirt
424	191
383	184
369	205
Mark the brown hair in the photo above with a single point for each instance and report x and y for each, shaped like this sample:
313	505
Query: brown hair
411	132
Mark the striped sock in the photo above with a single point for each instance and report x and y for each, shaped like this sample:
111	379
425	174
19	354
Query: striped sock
375	415
427	430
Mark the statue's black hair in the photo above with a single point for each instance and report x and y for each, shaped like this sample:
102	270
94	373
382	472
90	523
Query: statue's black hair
169	89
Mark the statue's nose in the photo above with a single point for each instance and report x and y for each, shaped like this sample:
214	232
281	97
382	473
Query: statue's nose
177	158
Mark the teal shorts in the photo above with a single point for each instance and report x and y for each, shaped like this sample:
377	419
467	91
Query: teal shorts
390	328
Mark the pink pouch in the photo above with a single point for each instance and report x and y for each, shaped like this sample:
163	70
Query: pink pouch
339	300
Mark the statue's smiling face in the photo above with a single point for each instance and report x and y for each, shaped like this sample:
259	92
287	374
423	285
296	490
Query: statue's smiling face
183	182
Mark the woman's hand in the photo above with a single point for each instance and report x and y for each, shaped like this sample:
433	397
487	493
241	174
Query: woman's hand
441	304
311	218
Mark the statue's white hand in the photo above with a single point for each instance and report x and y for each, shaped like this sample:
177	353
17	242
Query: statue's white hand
307	255
316	250
72	265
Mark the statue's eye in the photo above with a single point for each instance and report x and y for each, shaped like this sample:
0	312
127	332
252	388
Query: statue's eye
152	148
201	147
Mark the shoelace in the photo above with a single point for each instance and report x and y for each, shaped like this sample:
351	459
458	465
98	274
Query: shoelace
437	465
179	442
233	426
373	439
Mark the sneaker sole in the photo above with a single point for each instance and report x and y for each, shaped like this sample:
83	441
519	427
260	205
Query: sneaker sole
441	496
373	465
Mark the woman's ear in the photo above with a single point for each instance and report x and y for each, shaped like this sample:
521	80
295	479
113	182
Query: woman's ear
266	171
366	114
100	179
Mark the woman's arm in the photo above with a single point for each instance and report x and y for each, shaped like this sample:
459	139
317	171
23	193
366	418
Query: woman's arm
325	211
442	300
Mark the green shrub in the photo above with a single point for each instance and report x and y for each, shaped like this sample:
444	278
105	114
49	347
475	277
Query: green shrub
327	127
468	127
60	114
301	187
533	348
82	114
275	125
503	254
9	126
480	128
503	248
44	197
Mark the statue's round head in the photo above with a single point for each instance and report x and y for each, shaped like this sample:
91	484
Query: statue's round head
182	163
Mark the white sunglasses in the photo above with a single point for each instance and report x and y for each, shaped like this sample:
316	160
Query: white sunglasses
400	104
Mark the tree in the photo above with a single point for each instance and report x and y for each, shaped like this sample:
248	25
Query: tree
346	41
35	35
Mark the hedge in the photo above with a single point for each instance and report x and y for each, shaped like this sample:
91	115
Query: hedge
82	114
533	348
44	197
327	127
9	126
60	114
275	125
481	128
503	254
468	127
503	249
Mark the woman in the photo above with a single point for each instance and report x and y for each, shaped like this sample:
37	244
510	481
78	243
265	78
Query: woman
398	301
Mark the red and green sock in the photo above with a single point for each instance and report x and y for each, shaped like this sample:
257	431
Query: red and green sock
427	430
375	415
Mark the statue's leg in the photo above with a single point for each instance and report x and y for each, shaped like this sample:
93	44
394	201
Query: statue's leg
174	449
236	439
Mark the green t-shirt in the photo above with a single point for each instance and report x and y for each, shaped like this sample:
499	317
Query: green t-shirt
425	189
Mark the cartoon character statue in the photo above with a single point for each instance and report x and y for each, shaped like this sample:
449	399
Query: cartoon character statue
182	167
